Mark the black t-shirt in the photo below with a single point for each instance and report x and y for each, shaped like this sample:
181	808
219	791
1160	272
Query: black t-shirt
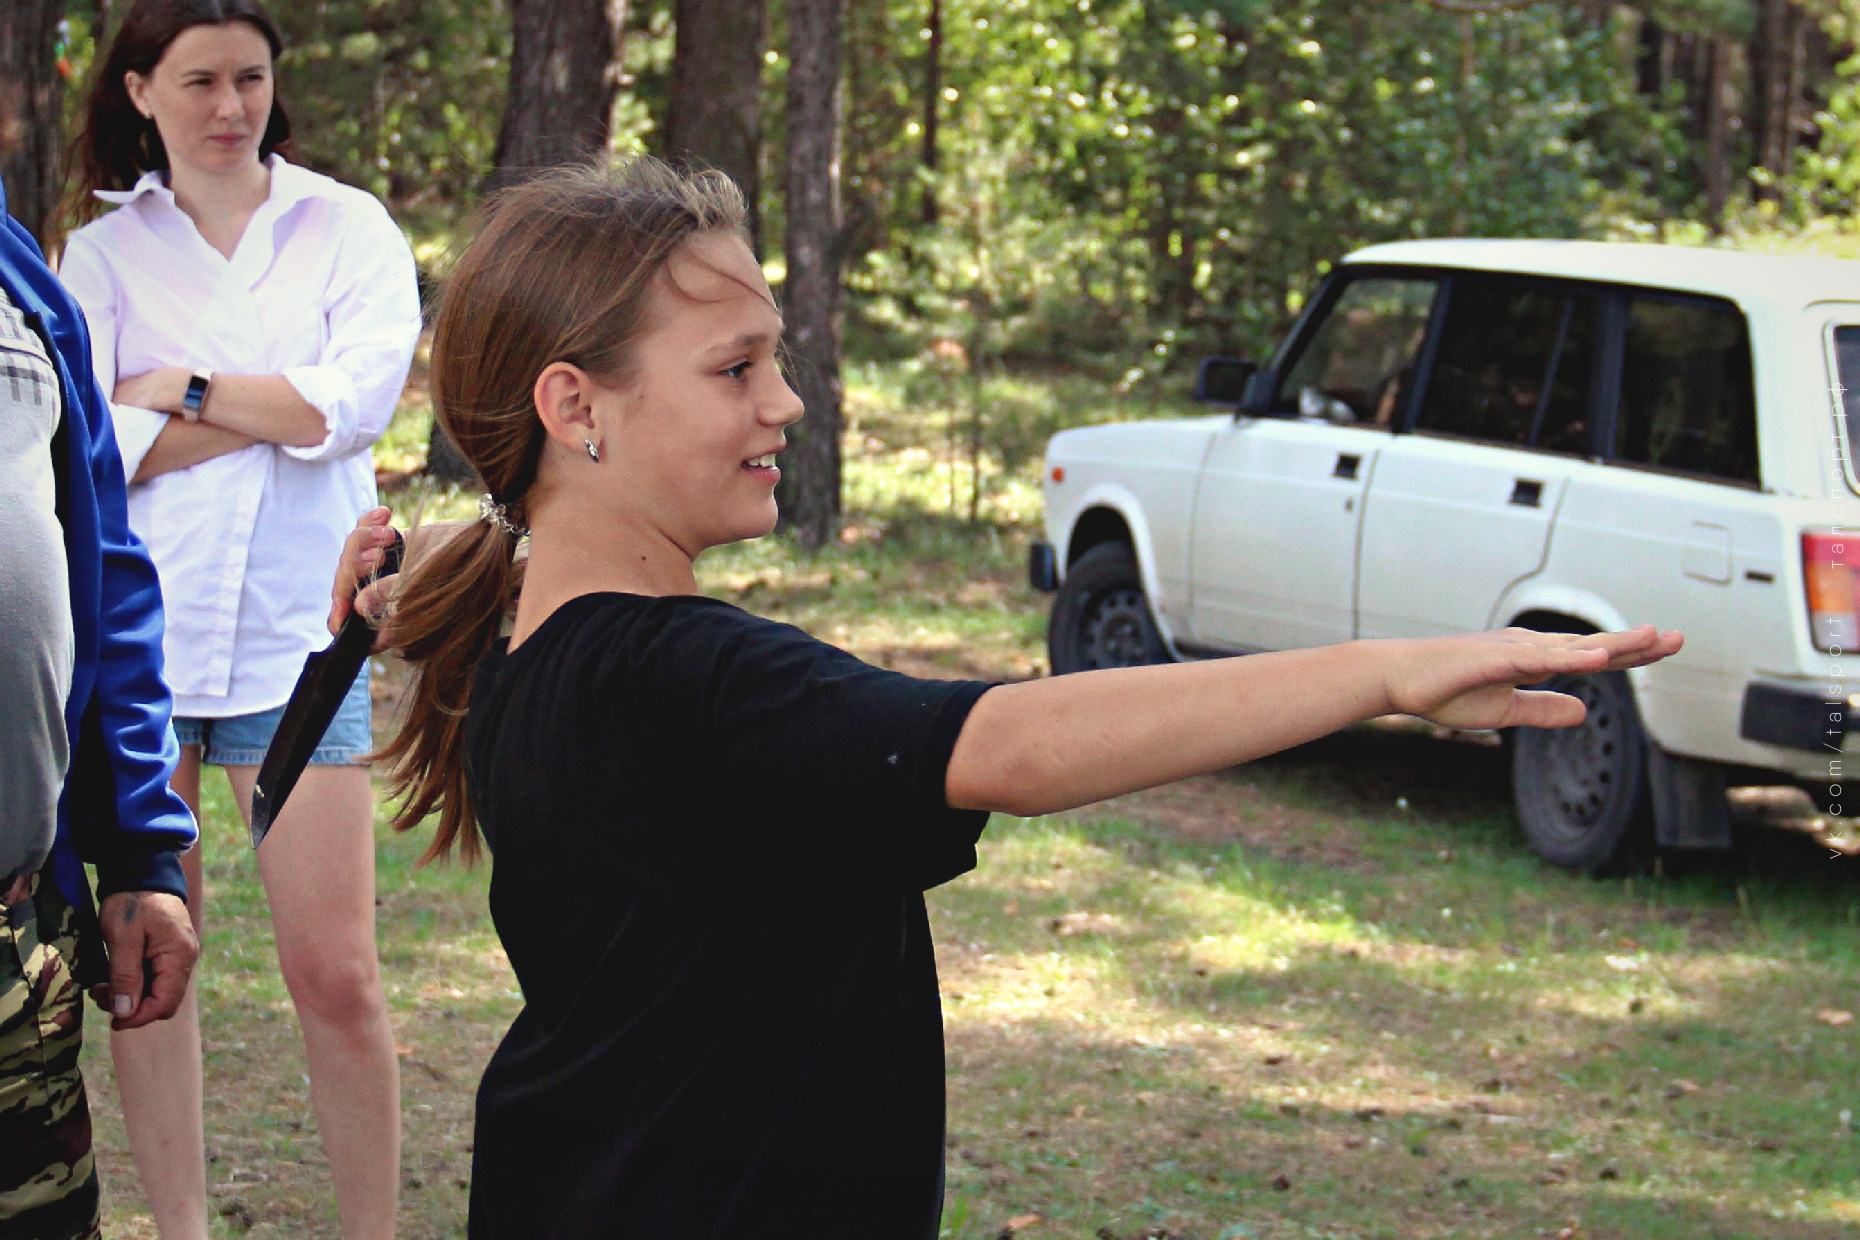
711	834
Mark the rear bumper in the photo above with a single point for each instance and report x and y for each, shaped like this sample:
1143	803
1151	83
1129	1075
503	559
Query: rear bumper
1794	718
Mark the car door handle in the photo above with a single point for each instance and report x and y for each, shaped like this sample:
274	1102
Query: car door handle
1527	493
1347	463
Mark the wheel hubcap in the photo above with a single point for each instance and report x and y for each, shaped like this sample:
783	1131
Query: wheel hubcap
1588	765
1116	630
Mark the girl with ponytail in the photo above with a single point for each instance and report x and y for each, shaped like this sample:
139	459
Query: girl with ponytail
711	833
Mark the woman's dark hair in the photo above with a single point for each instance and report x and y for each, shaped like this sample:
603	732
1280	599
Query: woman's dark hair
562	269
117	144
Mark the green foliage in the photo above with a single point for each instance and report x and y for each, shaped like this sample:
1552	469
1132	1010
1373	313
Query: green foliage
401	97
1123	179
1827	175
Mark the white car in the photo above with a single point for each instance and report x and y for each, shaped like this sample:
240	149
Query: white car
1562	435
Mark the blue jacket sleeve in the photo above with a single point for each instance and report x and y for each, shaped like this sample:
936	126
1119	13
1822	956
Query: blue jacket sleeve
132	700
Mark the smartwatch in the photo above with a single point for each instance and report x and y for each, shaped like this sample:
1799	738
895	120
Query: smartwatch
197	385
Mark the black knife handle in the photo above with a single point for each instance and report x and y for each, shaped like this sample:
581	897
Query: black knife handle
390	561
357	637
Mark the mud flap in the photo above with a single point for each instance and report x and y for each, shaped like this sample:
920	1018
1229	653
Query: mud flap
1689	805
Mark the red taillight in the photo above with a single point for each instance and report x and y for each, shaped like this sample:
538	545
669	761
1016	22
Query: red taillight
1829	564
1059	473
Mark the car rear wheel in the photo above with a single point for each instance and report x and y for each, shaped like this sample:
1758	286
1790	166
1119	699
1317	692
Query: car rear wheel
1581	792
1101	616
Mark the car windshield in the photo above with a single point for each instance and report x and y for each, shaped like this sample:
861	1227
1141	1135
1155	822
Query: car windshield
1359	364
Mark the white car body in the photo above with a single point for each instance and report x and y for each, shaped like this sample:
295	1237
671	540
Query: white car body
1247	539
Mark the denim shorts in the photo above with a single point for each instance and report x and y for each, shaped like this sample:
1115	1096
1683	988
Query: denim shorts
241	740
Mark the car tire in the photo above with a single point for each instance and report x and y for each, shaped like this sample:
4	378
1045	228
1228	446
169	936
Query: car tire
1101	616
1581	793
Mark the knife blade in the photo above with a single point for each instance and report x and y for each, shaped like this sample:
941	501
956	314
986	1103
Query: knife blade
326	679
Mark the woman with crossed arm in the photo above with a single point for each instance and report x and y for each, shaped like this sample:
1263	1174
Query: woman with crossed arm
255	322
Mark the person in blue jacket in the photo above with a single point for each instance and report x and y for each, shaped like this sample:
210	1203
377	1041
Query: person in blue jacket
86	752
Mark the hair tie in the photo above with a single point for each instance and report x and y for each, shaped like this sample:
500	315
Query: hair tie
498	515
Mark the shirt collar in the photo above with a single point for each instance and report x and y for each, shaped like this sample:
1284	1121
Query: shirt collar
289	185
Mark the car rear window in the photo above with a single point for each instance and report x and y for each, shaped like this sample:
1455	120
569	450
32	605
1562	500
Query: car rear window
1513	365
1687	401
1356	367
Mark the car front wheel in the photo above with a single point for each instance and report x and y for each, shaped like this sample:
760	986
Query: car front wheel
1581	791
1101	617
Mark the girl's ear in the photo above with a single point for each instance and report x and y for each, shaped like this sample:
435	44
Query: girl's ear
564	396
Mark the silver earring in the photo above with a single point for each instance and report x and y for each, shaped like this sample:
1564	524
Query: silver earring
594	453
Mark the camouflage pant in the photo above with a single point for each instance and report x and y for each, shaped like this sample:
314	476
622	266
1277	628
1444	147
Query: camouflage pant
48	1180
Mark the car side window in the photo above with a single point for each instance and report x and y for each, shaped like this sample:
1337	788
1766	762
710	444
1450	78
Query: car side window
1513	365
1847	368
1358	365
1687	398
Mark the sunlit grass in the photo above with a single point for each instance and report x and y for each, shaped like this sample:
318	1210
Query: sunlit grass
1148	1033
1329	994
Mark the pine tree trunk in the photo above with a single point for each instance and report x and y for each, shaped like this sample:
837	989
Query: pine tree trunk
933	105
559	110
1717	132
562	83
1770	53
29	111
715	114
1650	59
1795	92
811	296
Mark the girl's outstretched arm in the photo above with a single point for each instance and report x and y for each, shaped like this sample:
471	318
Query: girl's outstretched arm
1046	745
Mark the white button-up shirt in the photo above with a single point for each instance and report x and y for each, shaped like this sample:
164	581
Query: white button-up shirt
320	290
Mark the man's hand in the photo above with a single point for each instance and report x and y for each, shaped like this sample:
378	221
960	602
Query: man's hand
1477	681
152	954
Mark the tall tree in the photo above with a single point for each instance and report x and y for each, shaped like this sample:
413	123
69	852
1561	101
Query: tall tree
715	113
1777	55
933	102
29	110
1717	118
814	242
563	76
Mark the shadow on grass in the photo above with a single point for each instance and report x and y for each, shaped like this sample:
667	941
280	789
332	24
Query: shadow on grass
1403	1012
1463	793
1108	1138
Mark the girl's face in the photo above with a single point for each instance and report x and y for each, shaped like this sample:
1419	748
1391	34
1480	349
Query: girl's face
689	444
210	96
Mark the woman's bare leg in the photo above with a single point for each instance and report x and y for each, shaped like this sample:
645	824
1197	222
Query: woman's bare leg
158	1076
318	865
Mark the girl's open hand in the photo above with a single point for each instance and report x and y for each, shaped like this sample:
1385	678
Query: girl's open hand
361	555
1476	681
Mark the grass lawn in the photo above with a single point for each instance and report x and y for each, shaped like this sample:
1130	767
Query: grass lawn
1326	994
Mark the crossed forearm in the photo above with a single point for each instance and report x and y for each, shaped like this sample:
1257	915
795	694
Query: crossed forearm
183	444
267	407
240	410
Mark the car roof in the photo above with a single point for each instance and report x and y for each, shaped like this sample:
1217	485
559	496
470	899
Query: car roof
1779	278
